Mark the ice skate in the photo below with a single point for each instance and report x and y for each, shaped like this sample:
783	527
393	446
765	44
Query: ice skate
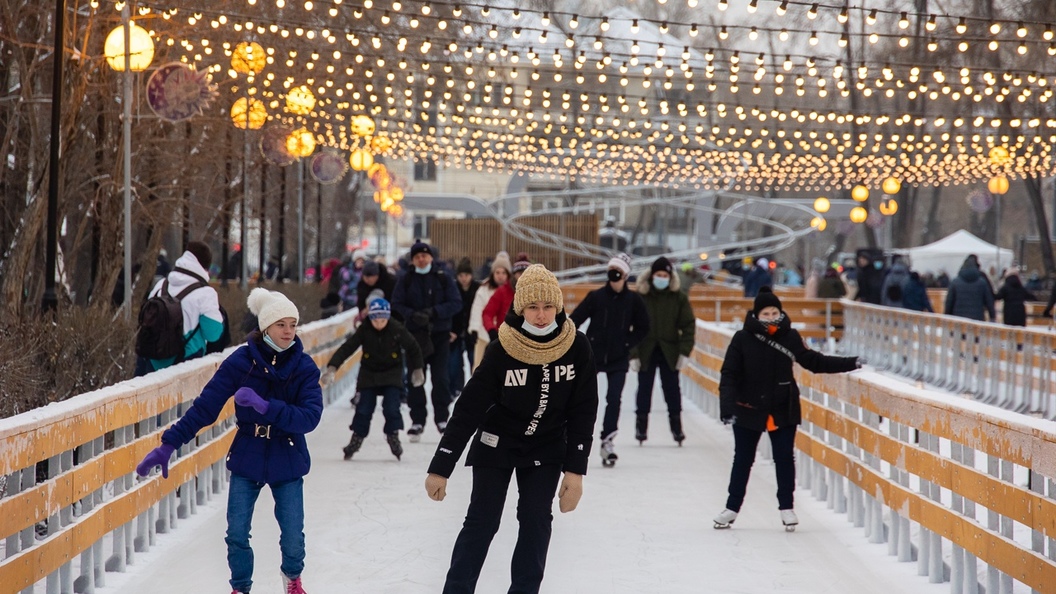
789	519
414	434
679	437
394	444
353	446
292	585
641	427
608	453
441	427
676	428
725	519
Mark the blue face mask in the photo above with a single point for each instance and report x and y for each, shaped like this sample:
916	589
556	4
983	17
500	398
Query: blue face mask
271	343
425	269
878	265
661	282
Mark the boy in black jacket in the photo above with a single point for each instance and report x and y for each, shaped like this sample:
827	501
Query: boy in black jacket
380	374
757	393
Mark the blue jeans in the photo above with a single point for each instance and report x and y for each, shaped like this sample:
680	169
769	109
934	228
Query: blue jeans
390	407
289	511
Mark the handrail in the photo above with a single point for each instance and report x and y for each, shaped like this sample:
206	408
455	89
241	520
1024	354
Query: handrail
891	455
1008	366
71	506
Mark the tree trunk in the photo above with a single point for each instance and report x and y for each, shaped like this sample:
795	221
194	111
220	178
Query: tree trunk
1037	203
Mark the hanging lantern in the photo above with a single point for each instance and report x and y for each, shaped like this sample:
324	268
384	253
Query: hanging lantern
397	194
888	207
818	223
300	100
378	196
360	160
140	48
822	205
891	185
859	214
998	185
860	193
998	155
396	210
300	143
361	125
379	145
248	57
252	117
374	169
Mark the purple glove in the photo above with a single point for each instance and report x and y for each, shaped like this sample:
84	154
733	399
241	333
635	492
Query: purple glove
247	397
159	456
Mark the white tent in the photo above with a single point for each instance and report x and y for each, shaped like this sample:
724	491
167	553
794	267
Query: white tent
948	253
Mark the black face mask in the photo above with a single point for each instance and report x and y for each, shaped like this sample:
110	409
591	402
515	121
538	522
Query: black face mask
615	275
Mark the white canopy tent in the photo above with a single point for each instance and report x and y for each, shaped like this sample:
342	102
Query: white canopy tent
948	253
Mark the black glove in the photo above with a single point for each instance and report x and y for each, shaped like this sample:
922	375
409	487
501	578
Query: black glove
493	334
422	316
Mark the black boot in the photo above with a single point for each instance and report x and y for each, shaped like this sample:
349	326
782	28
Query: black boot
353	446
676	428
641	427
394	444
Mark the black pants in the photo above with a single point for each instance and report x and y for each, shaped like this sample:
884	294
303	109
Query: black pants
668	382
616	380
745	441
437	364
536	487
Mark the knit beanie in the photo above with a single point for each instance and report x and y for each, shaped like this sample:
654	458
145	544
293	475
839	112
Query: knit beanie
621	262
764	299
661	264
522	263
371	268
421	247
537	284
270	307
502	260
379	309
464	265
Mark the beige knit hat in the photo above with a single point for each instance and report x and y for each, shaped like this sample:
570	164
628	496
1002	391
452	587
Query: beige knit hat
537	284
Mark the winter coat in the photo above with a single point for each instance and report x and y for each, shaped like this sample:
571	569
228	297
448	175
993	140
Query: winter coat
524	415
618	322
434	292
270	447
202	320
386	283
476	312
757	380
382	362
350	277
756	279
672	325
497	307
969	296
915	296
460	323
831	286
1015	296
870	284
897	277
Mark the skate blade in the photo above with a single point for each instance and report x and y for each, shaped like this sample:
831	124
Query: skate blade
719	526
414	438
790	527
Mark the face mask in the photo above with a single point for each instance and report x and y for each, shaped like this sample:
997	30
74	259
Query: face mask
424	270
878	265
661	282
615	275
271	343
534	331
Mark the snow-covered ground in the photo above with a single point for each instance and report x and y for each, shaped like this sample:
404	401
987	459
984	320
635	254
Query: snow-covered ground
642	527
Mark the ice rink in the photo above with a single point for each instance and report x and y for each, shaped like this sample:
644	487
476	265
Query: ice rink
642	527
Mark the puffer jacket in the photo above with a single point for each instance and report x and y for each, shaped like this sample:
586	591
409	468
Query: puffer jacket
270	447
969	296
383	354
671	321
618	322
757	380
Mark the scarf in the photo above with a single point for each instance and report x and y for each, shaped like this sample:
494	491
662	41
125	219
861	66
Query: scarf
533	352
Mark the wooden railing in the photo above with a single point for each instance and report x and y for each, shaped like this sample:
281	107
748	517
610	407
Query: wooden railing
973	483
71	507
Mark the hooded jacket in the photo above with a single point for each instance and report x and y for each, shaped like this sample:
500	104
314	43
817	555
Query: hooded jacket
270	447
383	354
897	277
969	296
757	379
672	325
520	414
1015	296
618	322
202	320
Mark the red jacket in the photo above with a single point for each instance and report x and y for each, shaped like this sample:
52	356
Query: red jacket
498	305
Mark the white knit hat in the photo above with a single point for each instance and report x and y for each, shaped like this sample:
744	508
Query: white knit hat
621	262
270	307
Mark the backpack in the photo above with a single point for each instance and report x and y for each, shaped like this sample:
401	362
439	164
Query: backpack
160	334
224	341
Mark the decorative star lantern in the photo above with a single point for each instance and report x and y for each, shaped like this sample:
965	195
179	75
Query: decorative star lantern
248	57
362	125
248	113
300	142
300	100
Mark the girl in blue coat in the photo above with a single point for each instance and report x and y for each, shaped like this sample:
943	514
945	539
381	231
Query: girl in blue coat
277	401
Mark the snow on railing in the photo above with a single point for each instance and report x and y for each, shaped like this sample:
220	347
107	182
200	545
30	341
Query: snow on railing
964	489
73	509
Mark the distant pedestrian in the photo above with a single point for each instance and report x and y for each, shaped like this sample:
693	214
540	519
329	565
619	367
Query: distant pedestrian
500	275
1015	296
969	295
464	341
915	294
831	286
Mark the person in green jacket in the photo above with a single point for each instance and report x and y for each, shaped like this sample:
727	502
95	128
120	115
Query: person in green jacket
384	342
666	348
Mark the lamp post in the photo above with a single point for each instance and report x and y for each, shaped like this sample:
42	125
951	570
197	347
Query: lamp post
249	114
49	302
119	52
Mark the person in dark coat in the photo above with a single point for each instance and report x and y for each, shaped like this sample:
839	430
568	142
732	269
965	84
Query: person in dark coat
1015	296
277	401
757	277
665	348
915	294
529	410
758	393
969	296
831	285
618	322
893	288
384	343
870	280
426	299
465	341
376	279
